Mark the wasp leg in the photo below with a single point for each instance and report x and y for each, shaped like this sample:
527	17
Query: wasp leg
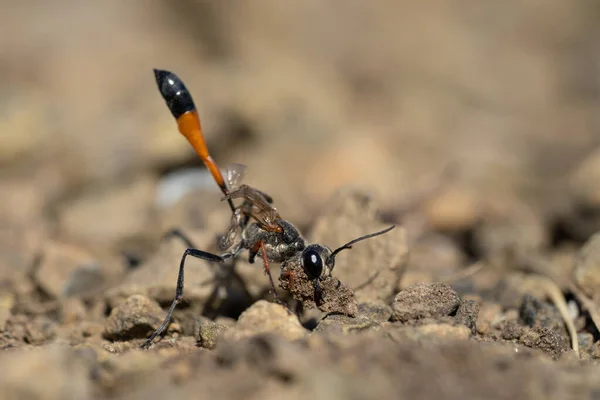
179	290
260	245
224	274
318	292
179	234
289	275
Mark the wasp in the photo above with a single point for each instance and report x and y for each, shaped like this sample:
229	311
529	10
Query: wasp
255	225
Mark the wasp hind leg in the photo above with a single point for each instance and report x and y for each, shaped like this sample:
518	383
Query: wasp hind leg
179	290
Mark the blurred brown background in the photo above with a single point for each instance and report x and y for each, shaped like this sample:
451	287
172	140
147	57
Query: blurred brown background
474	125
462	110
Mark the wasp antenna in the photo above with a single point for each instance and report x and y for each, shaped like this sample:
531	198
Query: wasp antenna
331	259
180	103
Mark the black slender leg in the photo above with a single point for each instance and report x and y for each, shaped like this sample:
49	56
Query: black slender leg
220	279
177	233
179	290
252	253
318	291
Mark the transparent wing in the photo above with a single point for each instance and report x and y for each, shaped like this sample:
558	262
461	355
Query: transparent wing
234	175
256	206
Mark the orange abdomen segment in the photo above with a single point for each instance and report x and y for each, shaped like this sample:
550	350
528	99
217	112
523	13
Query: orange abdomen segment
189	126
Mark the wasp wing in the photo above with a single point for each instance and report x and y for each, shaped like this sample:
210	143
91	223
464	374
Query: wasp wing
257	205
234	175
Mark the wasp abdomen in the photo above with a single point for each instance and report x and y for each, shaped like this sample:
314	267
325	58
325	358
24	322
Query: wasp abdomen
178	98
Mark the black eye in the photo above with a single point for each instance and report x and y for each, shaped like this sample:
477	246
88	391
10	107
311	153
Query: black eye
312	262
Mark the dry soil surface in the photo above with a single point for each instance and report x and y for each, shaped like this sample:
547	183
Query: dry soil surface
471	126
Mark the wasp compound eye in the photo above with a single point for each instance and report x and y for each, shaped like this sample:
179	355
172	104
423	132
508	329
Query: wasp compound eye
312	262
174	92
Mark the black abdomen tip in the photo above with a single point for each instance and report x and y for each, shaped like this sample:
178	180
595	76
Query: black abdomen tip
160	75
174	92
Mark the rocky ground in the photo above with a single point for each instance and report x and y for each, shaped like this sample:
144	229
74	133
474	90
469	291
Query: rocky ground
472	128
